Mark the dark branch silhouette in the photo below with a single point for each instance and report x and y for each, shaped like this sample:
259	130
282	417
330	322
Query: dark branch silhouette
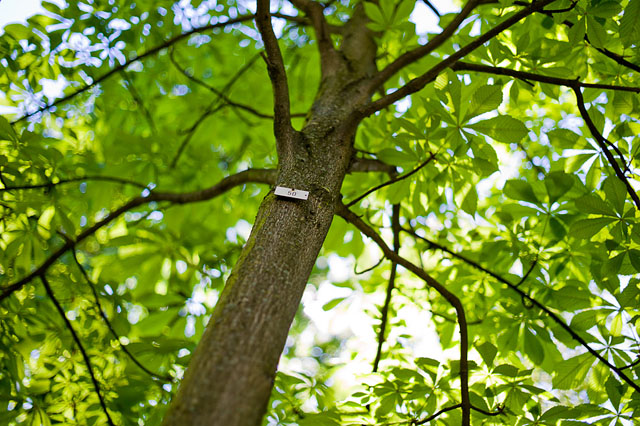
393	180
107	322
352	218
420	82
76	339
384	312
50	185
533	302
247	176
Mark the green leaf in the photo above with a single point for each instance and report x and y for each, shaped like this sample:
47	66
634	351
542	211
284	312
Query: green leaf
571	373
487	352
564	138
587	228
404	10
502	128
593	204
470	202
571	298
616	193
596	33
484	99
634	258
630	23
374	13
557	184
533	348
577	32
332	303
520	190
6	131
606	9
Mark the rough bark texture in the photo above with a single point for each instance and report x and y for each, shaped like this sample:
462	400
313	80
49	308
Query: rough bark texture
231	374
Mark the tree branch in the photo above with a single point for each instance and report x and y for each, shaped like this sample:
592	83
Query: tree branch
602	143
434	416
315	11
395	226
530	76
248	176
76	339
104	317
575	85
352	218
422	51
136	58
419	82
213	107
221	93
50	185
277	74
370	165
534	302
393	180
138	100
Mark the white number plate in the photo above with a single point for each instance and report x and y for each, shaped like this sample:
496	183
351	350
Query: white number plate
292	193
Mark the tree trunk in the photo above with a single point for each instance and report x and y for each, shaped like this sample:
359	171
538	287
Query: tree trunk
230	377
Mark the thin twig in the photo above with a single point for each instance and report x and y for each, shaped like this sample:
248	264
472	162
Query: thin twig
420	82
352	218
76	339
534	302
395	227
106	320
602	143
138	100
136	58
393	180
370	268
252	175
50	185
215	105
437	414
466	66
220	93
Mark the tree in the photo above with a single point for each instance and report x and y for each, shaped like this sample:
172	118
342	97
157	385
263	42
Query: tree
485	173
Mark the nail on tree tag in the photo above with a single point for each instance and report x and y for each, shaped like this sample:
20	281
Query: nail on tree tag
291	193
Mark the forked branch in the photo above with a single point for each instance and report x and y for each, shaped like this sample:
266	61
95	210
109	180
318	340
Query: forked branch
248	176
390	254
78	342
420	82
384	312
422	51
534	302
315	11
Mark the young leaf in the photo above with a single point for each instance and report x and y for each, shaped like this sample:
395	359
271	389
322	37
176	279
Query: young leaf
485	99
502	128
520	190
630	23
587	228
